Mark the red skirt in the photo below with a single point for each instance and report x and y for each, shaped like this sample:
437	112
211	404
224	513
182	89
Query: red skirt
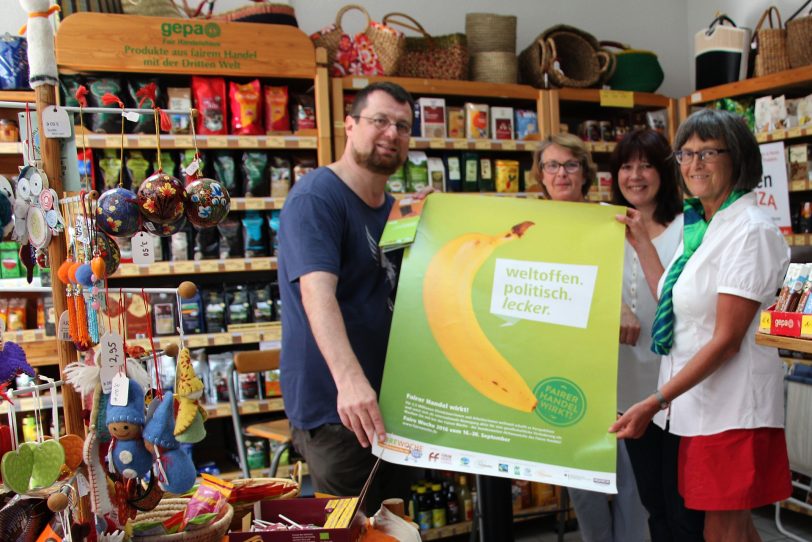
740	469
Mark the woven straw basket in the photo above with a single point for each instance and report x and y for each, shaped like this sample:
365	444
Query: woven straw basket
799	38
243	507
772	45
494	67
488	32
213	532
152	8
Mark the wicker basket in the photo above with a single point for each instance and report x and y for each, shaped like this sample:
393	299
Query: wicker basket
243	507
771	44
151	8
568	57
213	532
488	32
494	67
799	38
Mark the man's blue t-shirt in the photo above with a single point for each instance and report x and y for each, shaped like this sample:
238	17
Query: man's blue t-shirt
325	226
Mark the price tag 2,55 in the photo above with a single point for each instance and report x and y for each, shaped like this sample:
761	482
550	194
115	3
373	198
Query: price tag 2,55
111	347
119	394
143	249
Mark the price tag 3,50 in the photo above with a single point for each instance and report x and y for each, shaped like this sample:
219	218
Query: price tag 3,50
119	394
111	348
143	249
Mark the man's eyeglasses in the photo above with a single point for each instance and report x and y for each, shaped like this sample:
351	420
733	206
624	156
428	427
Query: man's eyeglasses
708	156
382	123
552	167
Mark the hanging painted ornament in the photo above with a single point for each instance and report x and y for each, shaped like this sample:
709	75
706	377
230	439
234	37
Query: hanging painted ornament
117	213
162	198
165	230
109	252
208	203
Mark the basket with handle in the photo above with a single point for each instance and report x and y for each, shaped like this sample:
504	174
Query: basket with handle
374	51
212	532
771	44
635	69
430	57
290	488
799	37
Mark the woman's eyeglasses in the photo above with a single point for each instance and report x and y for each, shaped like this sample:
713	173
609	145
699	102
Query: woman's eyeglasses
708	156
552	167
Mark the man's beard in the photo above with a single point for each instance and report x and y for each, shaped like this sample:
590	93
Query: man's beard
375	163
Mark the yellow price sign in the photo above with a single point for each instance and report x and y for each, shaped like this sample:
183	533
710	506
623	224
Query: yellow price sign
799	240
28	335
214	142
437	143
254	204
221	339
263	264
761	137
196	341
779	134
617	98
184	268
250	337
184	142
128	270
483	145
308	143
508	145
806	325
247	142
209	266
795	132
160	269
275	142
234	266
766	322
461	144
147	141
798	186
110	141
249	407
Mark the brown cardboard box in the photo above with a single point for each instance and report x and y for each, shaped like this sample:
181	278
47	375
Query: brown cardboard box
302	511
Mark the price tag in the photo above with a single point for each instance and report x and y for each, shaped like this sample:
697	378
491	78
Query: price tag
250	337
234	266
221	339
81	484
779	134
261	265
192	168
799	240
308	143
56	122
508	145
183	141
761	137
131	116
250	407
437	143
806	325
795	132
127	270
111	141
461	144
63	328
111	348
147	141
184	268
617	98
143	249
797	186
161	269
196	341
483	145
359	82
28	335
120	391
766	322
247	142
254	204
208	266
217	142
275	142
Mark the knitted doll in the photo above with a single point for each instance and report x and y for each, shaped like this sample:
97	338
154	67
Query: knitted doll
128	455
188	390
177	472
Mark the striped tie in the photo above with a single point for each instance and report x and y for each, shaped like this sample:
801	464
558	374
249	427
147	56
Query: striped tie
662	330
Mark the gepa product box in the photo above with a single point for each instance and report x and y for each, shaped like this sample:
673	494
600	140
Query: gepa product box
476	121
502	122
787	324
432	117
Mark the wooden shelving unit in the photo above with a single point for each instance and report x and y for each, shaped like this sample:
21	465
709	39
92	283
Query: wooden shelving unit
473	144
201	267
204	142
787	343
776	82
782	135
268	332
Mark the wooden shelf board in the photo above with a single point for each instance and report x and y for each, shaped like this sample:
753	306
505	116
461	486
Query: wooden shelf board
593	95
781	135
17	96
250	406
444	87
256	204
787	343
796	361
235	265
472	144
601	146
147	141
444	532
800	186
773	83
799	239
269	332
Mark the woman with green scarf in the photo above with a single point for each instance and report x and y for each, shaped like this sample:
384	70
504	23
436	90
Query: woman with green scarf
717	389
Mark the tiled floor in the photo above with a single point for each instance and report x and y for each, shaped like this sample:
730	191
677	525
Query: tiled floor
543	530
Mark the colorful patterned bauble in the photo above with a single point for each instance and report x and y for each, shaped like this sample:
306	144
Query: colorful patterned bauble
165	230
161	198
117	213
208	202
110	253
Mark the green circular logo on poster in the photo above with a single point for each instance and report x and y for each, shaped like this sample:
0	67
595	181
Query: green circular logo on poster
212	30
560	401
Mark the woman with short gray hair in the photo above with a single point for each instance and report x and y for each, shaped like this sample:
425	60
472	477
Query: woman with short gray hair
717	389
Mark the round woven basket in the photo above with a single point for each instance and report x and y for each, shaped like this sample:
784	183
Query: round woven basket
494	67
151	8
488	32
799	41
213	532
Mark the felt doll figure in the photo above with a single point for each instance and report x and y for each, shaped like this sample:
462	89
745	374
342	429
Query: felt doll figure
40	35
188	390
177	473
128	454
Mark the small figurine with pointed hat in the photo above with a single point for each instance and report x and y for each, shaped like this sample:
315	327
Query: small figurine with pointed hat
128	455
177	470
189	426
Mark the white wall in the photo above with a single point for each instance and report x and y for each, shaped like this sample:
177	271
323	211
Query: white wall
745	13
657	25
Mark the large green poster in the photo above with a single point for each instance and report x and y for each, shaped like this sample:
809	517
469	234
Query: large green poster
502	357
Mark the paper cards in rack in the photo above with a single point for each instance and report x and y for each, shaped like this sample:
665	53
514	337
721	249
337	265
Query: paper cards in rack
401	226
787	324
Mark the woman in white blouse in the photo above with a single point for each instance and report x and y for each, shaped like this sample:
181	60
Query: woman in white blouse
644	178
718	390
